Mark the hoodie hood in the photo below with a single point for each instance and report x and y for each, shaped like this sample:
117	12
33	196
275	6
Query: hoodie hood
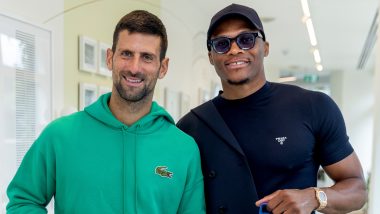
154	119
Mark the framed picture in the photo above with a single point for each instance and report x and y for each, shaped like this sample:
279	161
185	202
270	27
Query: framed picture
102	59
88	93
87	54
103	90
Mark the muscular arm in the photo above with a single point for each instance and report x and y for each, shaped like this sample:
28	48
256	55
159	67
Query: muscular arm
349	191
347	194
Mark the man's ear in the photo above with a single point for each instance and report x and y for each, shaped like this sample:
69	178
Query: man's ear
164	68
210	58
109	59
266	49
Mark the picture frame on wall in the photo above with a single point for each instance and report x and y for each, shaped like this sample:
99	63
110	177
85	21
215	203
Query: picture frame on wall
87	54
88	94
102	59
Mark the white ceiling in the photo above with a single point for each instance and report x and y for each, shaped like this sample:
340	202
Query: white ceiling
341	28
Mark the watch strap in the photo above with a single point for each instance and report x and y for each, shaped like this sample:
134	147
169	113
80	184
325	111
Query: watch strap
321	198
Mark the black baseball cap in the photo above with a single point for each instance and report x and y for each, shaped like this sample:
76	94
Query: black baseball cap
234	10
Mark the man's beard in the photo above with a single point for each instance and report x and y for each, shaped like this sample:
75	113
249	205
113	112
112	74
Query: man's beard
132	97
135	95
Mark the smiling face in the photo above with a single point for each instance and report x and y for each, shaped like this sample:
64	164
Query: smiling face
239	67
136	65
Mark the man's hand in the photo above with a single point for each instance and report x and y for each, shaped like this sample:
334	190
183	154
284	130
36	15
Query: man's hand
291	201
346	195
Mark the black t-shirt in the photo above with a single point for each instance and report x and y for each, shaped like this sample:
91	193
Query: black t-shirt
286	133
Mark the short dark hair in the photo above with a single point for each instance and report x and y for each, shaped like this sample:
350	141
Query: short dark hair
141	21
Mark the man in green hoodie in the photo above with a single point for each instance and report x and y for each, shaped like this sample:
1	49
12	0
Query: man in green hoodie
122	154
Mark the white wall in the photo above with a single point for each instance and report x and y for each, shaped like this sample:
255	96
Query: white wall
358	108
374	187
355	93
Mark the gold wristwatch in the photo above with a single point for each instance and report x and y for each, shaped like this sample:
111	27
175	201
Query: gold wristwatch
321	197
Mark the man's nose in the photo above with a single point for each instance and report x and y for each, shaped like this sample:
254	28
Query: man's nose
235	49
135	64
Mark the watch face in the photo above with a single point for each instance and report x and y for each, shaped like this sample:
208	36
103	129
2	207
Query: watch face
322	196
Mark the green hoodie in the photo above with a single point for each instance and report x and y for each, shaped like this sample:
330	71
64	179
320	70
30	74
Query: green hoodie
92	163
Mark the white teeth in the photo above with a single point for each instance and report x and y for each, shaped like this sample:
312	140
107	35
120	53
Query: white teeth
237	63
134	80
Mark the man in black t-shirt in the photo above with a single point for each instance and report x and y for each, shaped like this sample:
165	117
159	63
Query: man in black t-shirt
264	142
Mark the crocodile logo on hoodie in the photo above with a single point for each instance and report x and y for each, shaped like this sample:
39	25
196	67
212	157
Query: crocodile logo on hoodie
163	172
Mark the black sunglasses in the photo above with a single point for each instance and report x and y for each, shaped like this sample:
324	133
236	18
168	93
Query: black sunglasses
222	44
